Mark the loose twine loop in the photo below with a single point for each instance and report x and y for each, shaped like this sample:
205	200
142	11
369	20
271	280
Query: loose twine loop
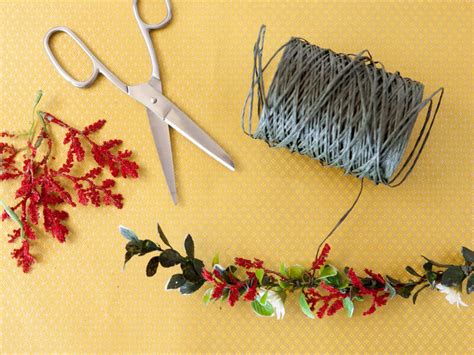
344	110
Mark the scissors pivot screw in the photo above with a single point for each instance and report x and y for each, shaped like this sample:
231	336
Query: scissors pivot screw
154	100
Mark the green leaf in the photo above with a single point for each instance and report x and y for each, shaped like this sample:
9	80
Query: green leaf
152	266
198	265
470	284
405	291
263	299
428	266
468	254
338	281
231	269
134	247
146	246
138	247
390	289
170	258
175	281
431	277
190	287
128	256
305	307
128	233
189	271
264	310
348	306
359	298
467	269
206	298
283	284
283	270
215	260
415	296
11	214
163	236
453	276
295	272
435	263
393	282
259	274
189	246
412	271
327	271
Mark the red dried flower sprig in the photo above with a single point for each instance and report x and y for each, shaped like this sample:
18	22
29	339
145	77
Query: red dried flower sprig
44	187
323	289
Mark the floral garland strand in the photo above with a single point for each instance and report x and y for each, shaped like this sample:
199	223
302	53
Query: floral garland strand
43	188
322	288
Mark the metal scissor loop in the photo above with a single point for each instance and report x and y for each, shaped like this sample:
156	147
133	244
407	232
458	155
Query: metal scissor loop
145	29
97	65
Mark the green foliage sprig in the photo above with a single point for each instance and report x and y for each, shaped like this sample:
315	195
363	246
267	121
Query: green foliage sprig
322	288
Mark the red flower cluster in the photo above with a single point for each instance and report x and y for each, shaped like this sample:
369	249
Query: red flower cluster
332	302
8	170
321	259
248	264
379	295
43	187
23	256
226	284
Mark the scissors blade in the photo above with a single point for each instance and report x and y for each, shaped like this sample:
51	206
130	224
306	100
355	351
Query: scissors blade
185	126
161	136
151	98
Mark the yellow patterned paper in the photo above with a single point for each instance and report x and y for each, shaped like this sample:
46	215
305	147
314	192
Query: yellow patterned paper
276	206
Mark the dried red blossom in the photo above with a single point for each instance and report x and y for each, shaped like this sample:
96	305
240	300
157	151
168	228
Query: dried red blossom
356	281
218	290
229	283
23	256
233	294
379	295
43	187
207	275
321	259
248	264
251	291
8	152
331	303
379	278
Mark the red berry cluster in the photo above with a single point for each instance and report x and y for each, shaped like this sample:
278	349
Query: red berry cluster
44	187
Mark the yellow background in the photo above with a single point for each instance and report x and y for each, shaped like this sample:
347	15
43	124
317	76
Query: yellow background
276	206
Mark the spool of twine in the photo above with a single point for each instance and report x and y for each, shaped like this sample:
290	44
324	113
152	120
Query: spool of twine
344	110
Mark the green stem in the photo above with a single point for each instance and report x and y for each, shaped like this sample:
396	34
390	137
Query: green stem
31	132
13	216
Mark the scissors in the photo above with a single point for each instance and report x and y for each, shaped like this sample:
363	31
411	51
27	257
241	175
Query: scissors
162	113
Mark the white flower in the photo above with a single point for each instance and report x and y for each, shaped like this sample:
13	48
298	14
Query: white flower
453	296
276	300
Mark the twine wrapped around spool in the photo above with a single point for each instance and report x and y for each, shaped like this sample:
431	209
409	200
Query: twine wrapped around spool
343	110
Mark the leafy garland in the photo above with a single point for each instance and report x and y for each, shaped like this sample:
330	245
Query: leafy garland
44	187
321	288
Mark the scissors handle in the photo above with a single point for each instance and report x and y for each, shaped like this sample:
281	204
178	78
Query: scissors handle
145	29
97	66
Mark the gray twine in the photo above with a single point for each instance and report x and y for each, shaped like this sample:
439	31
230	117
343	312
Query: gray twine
343	110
